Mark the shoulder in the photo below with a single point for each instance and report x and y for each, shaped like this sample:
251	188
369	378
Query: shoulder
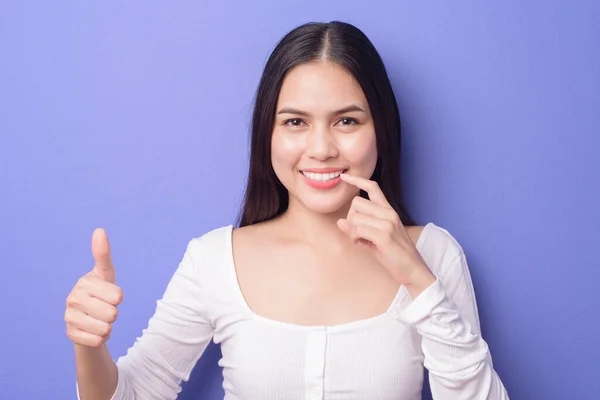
256	235
206	262
439	248
434	238
213	234
212	243
217	246
245	233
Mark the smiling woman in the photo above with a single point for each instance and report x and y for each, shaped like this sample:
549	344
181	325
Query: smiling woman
323	75
333	132
327	289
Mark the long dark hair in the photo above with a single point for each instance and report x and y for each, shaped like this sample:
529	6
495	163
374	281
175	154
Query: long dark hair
349	47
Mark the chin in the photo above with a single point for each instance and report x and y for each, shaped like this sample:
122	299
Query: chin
326	203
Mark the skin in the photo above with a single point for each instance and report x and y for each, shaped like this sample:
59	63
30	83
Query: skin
332	257
90	312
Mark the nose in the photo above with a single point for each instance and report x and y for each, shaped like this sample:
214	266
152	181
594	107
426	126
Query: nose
320	144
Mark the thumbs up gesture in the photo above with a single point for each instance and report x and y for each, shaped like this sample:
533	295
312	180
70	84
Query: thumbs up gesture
92	304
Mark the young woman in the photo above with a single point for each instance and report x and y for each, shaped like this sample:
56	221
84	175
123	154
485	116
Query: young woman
327	289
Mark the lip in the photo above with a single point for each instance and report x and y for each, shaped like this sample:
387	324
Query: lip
322	185
323	170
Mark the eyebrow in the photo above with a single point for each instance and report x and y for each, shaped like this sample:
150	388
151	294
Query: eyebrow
350	108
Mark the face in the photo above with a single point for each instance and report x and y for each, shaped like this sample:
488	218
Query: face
323	127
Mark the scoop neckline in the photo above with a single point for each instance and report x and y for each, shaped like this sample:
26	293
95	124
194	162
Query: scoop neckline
401	292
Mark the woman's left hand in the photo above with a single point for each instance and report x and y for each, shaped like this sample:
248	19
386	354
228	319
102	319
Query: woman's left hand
376	224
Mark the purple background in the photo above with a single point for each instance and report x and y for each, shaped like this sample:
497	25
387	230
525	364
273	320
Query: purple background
134	116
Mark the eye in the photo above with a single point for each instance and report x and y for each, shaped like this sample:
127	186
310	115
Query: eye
346	121
293	122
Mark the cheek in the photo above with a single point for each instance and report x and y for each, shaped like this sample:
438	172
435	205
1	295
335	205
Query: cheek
285	149
359	150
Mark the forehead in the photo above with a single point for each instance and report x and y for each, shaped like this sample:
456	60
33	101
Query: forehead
323	85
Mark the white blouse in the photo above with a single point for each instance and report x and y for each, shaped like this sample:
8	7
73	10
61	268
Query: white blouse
381	357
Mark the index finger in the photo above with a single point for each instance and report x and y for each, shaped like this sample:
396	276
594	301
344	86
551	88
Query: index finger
369	186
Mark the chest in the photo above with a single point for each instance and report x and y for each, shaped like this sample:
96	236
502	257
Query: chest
306	288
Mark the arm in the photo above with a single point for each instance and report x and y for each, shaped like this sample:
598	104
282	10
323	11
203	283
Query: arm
96	372
458	359
165	354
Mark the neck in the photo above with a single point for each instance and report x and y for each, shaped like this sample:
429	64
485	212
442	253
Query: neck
316	229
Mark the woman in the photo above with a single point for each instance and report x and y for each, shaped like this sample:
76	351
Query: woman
327	290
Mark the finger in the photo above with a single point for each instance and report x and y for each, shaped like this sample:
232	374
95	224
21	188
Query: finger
101	251
85	338
98	309
356	220
344	226
369	186
81	321
368	233
105	291
367	207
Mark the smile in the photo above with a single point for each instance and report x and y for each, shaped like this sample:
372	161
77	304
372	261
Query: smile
324	179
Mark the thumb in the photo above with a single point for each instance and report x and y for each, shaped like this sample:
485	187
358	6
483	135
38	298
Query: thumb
104	267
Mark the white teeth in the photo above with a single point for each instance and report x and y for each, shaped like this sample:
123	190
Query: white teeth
321	177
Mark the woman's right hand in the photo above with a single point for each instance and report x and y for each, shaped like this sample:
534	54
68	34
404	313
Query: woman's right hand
92	304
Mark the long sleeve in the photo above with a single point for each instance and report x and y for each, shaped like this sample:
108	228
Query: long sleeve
176	336
458	359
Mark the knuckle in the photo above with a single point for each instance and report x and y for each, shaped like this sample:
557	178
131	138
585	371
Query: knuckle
118	295
72	300
393	216
73	335
96	341
389	226
113	314
106	330
68	317
83	281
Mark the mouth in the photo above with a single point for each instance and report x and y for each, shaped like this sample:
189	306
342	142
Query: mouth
323	175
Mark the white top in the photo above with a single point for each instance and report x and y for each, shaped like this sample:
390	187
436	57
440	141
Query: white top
376	358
